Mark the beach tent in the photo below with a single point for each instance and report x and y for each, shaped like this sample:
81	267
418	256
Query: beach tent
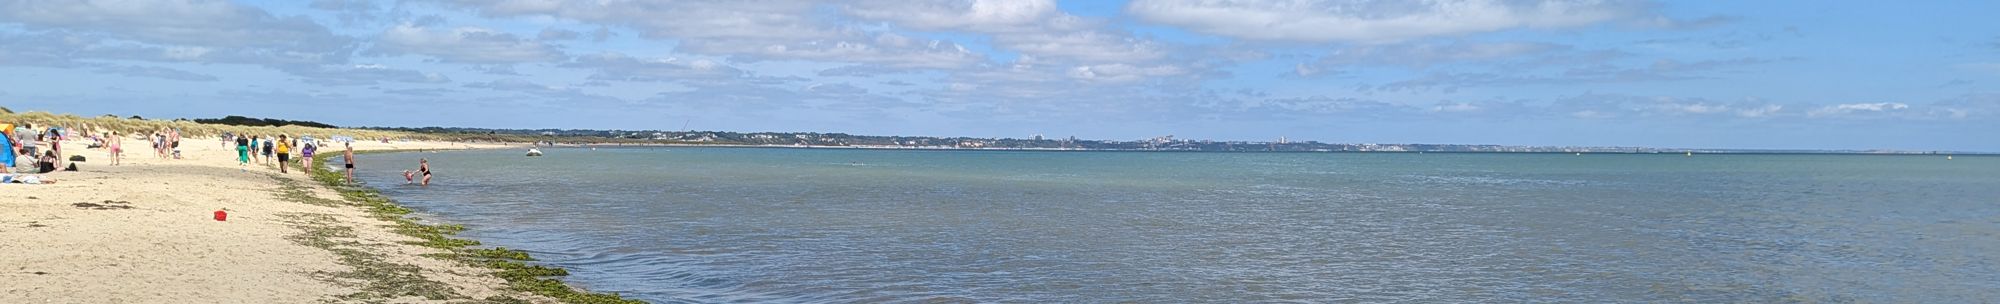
7	156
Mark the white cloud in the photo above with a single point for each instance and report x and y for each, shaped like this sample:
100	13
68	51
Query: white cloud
1123	73
1087	46
1370	21
209	23
615	66
194	31
360	74
1854	108
983	15
554	34
1759	112
887	49
1032	27
1421	55
463	44
156	72
1455	107
1592	114
780	19
1699	108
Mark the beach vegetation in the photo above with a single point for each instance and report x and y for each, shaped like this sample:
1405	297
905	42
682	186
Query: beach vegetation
234	120
507	264
378	279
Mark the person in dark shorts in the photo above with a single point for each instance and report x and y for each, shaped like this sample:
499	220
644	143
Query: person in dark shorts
269	144
349	157
284	153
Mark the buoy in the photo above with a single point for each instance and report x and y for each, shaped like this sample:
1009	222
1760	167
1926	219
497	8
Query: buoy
221	215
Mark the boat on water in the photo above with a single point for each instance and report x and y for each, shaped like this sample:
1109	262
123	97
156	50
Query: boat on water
534	152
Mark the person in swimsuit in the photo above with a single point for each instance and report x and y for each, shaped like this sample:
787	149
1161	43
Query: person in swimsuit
348	157
116	144
242	152
424	167
284	153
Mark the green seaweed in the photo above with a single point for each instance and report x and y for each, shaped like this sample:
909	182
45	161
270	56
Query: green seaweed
504	262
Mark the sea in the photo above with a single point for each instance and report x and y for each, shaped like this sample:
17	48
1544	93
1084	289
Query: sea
792	225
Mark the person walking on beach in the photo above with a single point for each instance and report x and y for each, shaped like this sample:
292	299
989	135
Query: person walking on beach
306	157
255	145
348	157
116	146
270	144
242	152
284	153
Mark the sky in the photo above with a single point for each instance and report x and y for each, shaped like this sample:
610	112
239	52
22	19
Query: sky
1919	75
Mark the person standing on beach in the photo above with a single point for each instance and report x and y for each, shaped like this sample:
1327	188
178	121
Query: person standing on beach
348	157
284	153
27	143
242	152
115	144
174	143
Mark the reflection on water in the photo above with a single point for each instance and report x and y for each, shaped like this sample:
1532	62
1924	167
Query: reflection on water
798	225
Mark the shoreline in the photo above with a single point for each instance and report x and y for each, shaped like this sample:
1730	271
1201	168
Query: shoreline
945	148
142	232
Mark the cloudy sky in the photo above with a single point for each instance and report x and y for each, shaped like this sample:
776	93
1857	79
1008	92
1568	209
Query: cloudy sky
1722	74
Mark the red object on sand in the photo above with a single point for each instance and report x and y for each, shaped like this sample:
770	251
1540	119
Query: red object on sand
221	216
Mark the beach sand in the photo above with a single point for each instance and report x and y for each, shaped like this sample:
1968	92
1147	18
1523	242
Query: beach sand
143	232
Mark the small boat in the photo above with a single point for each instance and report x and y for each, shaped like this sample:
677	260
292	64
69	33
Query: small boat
534	152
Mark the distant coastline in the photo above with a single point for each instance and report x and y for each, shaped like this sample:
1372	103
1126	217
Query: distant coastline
1038	143
1529	150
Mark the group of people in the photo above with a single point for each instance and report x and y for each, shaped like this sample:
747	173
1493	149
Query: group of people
279	150
38	148
264	149
166	143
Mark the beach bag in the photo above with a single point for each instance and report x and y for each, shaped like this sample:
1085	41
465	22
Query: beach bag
76	158
72	168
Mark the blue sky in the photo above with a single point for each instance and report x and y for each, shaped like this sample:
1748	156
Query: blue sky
1715	74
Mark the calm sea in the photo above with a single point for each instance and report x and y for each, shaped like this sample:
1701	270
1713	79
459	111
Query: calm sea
704	225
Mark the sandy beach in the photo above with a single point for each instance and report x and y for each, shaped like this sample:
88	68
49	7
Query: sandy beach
142	232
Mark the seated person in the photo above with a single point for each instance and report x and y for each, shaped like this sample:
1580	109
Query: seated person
47	163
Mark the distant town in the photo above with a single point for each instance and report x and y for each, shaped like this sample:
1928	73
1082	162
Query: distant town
1038	142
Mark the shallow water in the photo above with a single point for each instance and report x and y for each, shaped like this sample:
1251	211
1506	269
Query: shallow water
706	225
